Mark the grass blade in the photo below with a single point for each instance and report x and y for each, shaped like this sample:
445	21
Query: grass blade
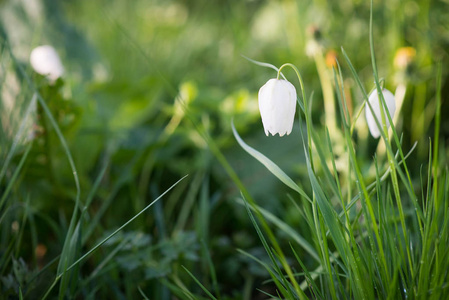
199	283
271	166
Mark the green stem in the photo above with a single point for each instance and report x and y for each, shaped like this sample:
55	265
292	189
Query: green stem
436	138
48	146
306	108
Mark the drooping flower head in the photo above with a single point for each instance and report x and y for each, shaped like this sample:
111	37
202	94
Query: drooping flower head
45	61
277	105
374	101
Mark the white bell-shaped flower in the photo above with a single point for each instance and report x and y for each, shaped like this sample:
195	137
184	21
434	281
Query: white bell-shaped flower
277	105
45	61
374	101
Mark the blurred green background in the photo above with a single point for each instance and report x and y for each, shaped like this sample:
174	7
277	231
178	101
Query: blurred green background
145	83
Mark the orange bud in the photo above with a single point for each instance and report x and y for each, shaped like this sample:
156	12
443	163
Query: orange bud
331	59
404	57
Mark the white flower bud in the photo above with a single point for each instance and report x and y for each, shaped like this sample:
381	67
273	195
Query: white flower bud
374	101
45	61
277	105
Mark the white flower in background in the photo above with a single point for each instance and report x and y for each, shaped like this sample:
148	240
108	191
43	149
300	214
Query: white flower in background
374	101
45	61
277	105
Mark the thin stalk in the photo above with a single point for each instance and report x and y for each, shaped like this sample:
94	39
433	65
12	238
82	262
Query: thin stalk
328	92
48	146
436	138
327	260
306	108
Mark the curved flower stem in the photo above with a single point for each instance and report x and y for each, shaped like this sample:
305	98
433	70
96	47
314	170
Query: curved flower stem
381	83
306	108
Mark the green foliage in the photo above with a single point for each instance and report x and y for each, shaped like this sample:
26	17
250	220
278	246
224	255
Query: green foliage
92	204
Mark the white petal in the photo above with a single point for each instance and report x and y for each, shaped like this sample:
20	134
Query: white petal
374	101
45	61
277	105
